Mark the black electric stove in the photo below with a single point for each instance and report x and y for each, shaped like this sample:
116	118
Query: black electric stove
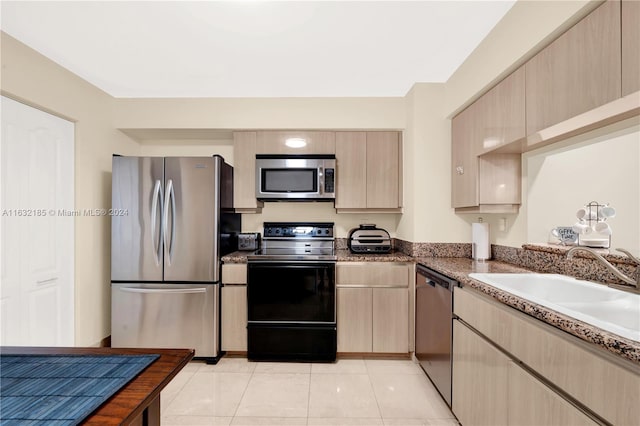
291	294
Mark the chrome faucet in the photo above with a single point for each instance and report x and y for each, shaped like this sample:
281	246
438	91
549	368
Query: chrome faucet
615	271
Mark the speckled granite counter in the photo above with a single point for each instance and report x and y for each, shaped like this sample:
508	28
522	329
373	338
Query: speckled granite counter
394	256
343	255
236	257
459	268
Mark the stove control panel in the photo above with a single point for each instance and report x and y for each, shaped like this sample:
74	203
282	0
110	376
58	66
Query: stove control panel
298	230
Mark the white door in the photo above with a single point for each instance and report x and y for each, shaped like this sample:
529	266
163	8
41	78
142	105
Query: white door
37	228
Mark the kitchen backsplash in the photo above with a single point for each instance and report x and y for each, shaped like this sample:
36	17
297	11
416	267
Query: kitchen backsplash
541	258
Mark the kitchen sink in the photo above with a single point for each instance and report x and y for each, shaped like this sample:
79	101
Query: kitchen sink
616	311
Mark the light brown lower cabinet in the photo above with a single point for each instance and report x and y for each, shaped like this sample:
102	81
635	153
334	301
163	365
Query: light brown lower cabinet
562	371
479	379
374	306
489	388
373	319
233	308
233	314
532	403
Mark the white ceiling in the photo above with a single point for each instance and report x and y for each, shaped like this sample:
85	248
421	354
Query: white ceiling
254	48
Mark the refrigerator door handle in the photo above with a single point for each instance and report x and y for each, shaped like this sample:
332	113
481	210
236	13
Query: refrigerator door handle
169	197
164	290
156	240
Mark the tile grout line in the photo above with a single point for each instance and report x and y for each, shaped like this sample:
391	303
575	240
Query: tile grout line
373	391
309	394
235	413
178	393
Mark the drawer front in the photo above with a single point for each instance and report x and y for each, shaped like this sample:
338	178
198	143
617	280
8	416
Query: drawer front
234	273
595	381
373	274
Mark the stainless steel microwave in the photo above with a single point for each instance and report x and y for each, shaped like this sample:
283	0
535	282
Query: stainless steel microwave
295	177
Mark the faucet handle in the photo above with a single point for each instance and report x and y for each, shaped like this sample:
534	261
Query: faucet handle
629	255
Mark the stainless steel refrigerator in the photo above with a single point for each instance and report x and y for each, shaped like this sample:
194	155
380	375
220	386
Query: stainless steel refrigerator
172	219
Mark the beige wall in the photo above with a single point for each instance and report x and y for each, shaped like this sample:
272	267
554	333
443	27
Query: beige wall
428	216
187	148
261	113
601	166
29	77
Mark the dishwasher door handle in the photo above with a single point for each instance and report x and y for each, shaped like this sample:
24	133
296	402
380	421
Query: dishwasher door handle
425	282
431	283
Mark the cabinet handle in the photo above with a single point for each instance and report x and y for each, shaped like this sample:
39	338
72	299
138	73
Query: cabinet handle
460	170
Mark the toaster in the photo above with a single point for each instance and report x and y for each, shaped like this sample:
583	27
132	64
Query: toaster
248	241
369	239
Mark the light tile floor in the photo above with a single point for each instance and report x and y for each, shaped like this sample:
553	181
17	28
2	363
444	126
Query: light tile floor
348	392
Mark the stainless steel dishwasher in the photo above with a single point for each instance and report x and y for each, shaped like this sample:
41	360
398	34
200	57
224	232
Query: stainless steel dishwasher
434	326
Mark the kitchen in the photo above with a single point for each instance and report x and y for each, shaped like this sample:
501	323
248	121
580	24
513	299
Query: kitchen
152	127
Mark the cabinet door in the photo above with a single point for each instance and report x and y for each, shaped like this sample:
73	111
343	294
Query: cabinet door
275	142
354	319
351	162
499	179
502	113
464	159
532	403
244	164
383	170
391	320
480	379
579	71
630	46
234	318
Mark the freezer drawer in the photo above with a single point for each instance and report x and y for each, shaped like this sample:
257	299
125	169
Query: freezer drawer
166	316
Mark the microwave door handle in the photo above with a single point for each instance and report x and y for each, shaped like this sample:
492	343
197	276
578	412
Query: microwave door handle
321	180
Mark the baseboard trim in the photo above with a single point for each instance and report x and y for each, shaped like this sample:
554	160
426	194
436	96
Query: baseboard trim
106	342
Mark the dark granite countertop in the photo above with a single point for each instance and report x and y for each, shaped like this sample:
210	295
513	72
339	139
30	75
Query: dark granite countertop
344	255
459	268
236	257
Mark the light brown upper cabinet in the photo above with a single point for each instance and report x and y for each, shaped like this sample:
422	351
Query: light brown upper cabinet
502	113
280	142
464	158
369	171
578	72
490	182
244	173
630	46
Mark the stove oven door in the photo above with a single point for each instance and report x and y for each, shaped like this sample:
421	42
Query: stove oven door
291	311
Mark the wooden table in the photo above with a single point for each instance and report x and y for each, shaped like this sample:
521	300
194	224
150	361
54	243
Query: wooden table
138	402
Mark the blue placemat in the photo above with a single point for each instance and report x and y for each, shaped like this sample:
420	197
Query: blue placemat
61	389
